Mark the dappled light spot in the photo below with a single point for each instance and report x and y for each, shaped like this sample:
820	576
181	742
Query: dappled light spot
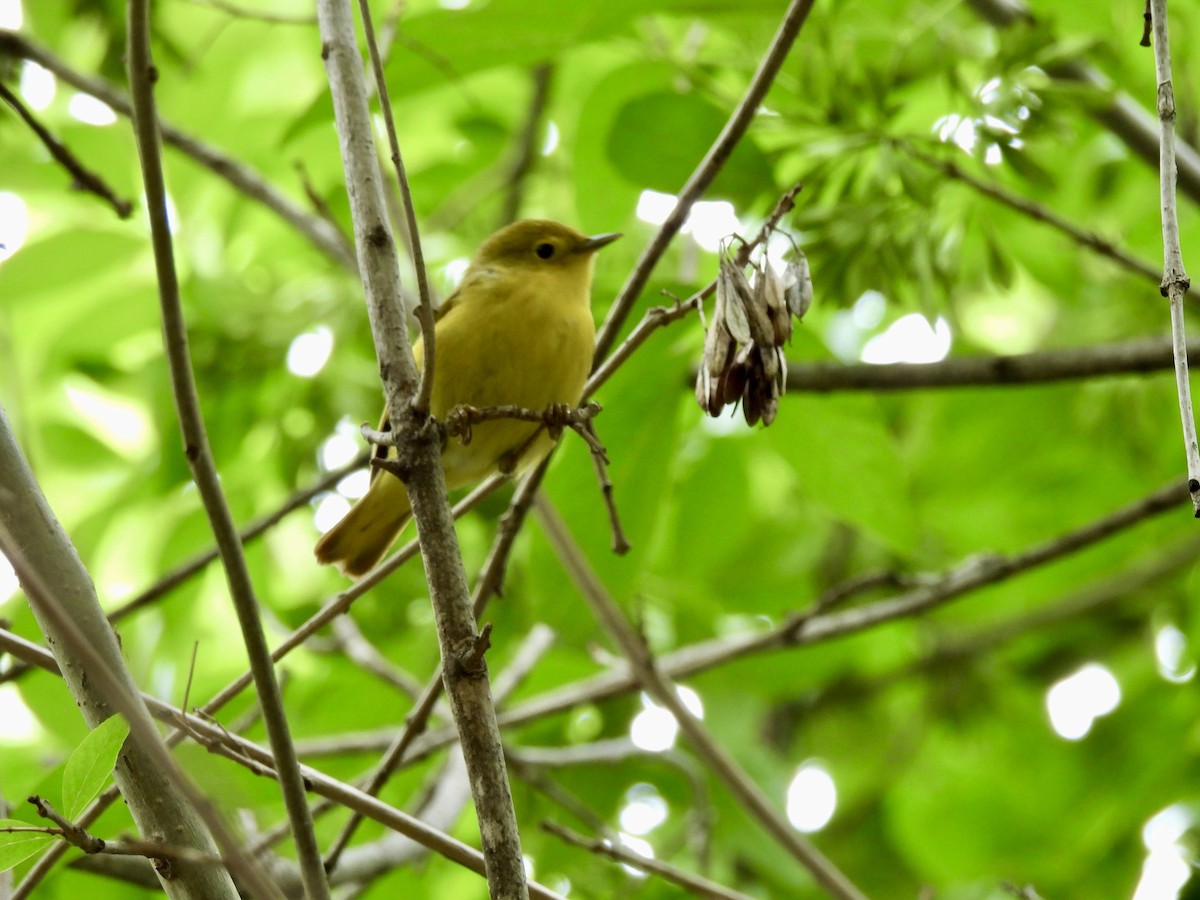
1171	654
17	723
118	421
330	510
638	846
910	339
11	14
355	484
38	85
309	352
340	447
552	138
1075	702
811	798
1166	868
90	110
14	223
709	222
654	729
644	809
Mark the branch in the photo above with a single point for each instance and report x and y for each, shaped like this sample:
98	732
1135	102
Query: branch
142	75
803	629
1175	282
238	12
706	171
240	176
650	677
1037	212
248	753
81	177
467	685
694	885
527	143
1039	367
425	308
160	797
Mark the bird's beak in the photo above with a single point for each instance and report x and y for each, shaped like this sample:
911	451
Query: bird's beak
594	243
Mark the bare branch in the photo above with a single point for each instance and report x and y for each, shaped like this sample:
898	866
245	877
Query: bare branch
527	143
82	178
695	885
706	171
659	686
1036	211
240	176
1039	367
199	454
1175	281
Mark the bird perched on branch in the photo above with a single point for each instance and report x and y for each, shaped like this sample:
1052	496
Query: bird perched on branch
518	331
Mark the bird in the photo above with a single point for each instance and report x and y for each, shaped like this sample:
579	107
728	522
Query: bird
518	331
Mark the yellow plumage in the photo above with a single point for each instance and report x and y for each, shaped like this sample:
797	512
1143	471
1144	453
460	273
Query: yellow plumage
519	331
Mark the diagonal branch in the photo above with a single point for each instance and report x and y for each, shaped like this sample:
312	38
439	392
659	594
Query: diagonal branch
199	453
82	178
240	176
804	628
661	688
718	154
1037	211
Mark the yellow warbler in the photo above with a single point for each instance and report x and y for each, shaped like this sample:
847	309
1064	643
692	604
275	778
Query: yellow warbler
518	331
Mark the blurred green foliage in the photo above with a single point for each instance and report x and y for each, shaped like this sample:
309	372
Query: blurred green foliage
950	777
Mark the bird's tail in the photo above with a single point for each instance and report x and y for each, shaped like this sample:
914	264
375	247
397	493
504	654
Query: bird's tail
359	541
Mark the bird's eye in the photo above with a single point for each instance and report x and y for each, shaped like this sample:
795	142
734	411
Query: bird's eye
545	250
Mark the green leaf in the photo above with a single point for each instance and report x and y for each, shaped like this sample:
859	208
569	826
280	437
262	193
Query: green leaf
91	764
657	138
16	848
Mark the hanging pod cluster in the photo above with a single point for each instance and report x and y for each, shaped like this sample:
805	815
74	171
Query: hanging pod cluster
751	321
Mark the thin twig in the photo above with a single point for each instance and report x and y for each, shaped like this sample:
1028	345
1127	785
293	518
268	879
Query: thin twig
1036	211
247	752
115	688
1039	367
240	12
695	885
82	178
716	157
425	308
659	686
527	143
199	454
935	591
240	176
1175	281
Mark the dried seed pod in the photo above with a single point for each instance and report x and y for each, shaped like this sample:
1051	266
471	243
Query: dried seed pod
776	303
761	330
798	285
733	382
732	289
